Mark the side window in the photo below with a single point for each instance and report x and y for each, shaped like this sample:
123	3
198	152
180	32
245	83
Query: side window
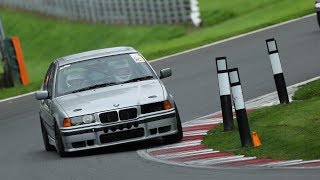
50	81
46	78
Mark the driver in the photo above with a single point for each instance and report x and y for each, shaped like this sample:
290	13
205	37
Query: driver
75	80
122	71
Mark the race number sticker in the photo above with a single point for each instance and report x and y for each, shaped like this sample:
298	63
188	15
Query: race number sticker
137	58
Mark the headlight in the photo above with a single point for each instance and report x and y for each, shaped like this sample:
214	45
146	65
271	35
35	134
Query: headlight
86	119
317	5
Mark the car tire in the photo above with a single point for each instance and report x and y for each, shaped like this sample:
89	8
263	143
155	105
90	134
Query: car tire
179	135
59	142
318	18
45	138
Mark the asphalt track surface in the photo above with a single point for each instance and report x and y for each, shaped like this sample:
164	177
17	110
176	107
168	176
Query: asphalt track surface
194	85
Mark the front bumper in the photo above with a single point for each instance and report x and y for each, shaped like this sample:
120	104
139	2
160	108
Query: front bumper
102	135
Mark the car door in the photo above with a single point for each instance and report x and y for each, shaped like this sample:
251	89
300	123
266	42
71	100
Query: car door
46	105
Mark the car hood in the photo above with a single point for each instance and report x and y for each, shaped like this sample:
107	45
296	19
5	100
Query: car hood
112	97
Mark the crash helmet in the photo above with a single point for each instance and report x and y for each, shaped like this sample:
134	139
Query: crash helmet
121	70
75	79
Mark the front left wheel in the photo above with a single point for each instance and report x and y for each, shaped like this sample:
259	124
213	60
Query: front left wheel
179	135
59	142
45	138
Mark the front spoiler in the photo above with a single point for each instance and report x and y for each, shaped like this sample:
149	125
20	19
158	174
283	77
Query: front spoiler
116	126
90	137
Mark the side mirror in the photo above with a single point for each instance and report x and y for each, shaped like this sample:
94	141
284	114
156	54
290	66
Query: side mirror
42	95
164	73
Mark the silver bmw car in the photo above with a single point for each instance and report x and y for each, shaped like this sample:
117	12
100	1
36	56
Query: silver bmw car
105	97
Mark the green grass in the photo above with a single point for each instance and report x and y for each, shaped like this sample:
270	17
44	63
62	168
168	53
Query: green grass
13	91
308	91
286	131
44	39
1	67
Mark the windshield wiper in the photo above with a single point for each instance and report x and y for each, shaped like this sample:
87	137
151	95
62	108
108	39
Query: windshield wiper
138	79
95	86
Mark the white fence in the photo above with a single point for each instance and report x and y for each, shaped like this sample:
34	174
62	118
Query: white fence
112	11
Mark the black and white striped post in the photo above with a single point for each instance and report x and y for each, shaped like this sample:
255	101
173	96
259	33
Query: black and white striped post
239	105
277	71
225	94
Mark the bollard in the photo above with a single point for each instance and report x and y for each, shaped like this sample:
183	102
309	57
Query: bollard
277	71
225	94
239	105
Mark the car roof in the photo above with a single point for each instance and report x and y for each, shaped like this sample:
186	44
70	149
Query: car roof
94	54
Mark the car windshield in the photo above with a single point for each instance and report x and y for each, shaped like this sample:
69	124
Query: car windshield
102	72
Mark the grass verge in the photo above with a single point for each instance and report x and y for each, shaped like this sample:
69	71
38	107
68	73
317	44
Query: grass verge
1	67
308	91
286	131
44	39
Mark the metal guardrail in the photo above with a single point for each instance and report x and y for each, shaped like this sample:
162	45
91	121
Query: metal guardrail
146	12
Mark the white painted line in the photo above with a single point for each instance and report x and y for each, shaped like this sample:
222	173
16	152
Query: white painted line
144	155
236	160
288	164
304	82
210	119
185	154
218	160
194	133
304	162
178	145
16	97
210	115
232	160
311	161
281	163
239	160
196	123
233	38
206	121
